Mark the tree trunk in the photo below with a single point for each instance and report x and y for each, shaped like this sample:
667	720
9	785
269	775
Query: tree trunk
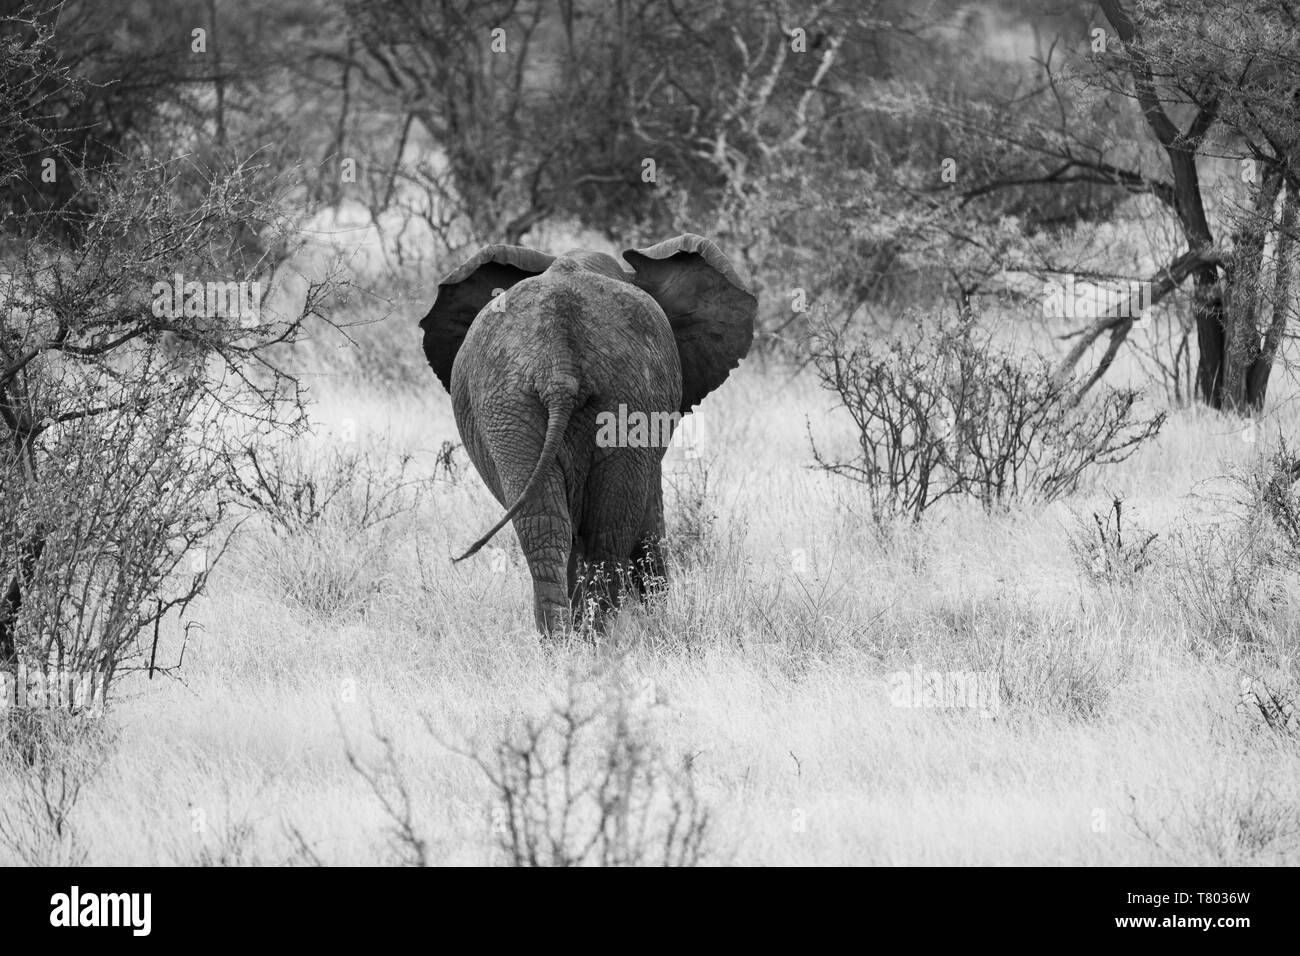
11	601
1228	345
1236	356
1257	383
1207	310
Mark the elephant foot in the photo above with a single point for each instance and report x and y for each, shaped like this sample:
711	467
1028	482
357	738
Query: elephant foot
553	620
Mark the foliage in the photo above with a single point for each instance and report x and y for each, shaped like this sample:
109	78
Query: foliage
585	786
297	490
1102	551
950	413
50	763
121	389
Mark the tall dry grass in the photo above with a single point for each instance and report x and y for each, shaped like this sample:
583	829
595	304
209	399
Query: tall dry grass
1120	732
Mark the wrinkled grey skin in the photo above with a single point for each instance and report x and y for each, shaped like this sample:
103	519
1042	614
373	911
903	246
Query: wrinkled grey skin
531	368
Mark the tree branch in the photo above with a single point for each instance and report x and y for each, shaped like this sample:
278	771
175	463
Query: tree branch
1162	283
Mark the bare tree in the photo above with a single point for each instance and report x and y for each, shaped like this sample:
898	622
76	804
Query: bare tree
1208	79
129	349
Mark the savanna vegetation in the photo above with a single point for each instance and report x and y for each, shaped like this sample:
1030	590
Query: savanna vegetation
988	554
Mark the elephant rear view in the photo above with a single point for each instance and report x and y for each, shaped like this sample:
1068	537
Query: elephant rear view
548	360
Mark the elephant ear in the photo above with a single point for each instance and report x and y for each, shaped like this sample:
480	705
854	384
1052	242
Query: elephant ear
464	293
708	304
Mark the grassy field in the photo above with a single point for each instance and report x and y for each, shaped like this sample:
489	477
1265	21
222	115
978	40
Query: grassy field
1117	732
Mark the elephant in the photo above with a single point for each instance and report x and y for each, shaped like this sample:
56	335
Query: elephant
540	354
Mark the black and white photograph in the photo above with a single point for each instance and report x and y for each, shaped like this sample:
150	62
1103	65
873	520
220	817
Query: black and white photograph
650	433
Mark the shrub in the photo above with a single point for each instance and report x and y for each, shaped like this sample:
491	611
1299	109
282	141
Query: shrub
1237	578
1269	491
330	514
296	489
1102	551
1227	581
952	414
1270	705
584	786
1236	819
95	539
46	762
133	345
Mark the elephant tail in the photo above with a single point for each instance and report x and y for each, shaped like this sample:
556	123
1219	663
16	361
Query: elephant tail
558	409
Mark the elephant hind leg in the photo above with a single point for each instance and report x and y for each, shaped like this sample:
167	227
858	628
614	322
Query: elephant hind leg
621	522
546	538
